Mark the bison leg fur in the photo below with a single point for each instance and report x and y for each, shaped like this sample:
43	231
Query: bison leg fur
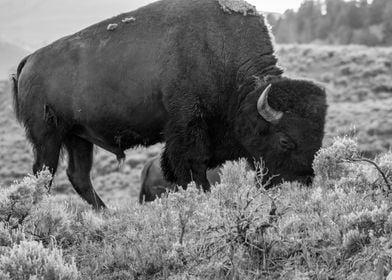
185	158
80	154
46	154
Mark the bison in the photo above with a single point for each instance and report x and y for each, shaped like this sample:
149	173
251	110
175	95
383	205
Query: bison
199	75
153	183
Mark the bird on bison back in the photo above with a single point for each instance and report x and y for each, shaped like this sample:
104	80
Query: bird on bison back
153	182
200	76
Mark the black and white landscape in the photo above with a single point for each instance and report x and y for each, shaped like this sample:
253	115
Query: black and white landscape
338	227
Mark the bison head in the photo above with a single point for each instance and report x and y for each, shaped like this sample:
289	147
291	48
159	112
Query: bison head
282	123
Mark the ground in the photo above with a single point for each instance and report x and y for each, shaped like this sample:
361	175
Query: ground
359	86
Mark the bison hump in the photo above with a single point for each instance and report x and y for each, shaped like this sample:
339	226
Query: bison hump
238	6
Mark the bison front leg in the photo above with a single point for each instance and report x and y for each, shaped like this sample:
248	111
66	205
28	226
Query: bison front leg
80	159
186	155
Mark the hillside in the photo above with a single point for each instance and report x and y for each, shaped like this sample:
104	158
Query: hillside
34	23
10	55
359	85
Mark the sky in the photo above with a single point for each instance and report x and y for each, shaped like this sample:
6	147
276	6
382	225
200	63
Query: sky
35	23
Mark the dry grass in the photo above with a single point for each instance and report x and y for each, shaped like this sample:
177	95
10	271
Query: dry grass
338	229
358	80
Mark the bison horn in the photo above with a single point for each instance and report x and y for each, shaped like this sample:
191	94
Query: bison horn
265	110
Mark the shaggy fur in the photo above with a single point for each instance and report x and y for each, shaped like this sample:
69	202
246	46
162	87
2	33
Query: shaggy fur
184	73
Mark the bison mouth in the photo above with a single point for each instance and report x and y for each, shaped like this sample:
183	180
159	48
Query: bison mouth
306	180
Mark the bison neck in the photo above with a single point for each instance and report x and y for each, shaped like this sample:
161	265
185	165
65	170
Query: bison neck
260	66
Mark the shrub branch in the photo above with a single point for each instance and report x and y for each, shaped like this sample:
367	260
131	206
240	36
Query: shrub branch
376	166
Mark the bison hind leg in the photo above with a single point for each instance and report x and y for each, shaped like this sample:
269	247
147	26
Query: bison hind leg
47	144
46	154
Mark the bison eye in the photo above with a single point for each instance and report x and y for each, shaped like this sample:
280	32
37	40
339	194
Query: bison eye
286	143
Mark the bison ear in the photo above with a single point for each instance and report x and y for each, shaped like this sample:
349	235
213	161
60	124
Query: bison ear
270	78
265	110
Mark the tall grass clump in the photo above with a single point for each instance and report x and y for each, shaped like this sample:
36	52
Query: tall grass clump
17	201
384	176
30	260
50	220
328	161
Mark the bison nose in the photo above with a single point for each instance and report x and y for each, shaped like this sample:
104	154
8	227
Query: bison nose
286	144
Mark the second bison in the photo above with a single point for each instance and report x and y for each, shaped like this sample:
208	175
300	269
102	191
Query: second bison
154	184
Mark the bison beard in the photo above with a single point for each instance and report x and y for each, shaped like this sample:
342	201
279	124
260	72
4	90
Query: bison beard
184	72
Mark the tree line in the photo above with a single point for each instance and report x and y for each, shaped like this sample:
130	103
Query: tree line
335	22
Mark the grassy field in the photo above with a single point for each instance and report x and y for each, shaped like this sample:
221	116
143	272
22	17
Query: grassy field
359	84
339	229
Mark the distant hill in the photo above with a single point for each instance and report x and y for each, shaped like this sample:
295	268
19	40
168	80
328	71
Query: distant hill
31	24
10	55
34	23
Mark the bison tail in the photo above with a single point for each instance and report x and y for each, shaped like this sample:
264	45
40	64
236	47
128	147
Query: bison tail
15	95
15	78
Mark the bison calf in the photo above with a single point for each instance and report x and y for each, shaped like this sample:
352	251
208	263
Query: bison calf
153	183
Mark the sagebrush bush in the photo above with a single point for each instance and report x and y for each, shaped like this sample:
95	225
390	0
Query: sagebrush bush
50	219
353	242
367	220
17	200
5	236
384	161
234	219
339	228
328	161
30	260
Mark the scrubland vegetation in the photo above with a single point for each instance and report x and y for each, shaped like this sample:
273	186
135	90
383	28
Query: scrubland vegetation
339	228
358	80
